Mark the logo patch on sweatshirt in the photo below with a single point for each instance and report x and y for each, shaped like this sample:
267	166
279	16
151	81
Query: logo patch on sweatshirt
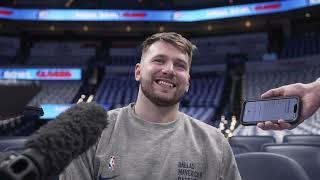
188	170
110	169
112	163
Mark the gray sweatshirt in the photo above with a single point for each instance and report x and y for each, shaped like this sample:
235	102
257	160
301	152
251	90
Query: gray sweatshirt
133	149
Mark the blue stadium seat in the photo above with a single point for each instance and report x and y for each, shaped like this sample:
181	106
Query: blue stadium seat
269	166
302	139
253	142
307	155
240	148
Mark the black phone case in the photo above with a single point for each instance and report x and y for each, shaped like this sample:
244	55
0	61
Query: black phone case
256	122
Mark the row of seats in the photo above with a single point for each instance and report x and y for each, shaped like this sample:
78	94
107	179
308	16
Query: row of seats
63	53
304	154
301	148
17	126
213	50
56	92
301	46
8	125
204	91
242	144
9	48
58	60
5	60
257	82
311	126
124	60
204	114
266	166
117	90
278	162
200	102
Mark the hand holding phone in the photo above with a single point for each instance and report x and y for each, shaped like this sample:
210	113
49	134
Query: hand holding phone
273	109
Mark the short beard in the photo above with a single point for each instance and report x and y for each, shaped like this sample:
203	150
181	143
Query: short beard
160	101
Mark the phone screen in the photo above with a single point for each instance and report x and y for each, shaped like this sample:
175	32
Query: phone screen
269	110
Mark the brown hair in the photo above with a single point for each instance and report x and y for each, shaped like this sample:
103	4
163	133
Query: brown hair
174	39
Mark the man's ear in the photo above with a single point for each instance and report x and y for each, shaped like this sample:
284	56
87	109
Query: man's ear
137	72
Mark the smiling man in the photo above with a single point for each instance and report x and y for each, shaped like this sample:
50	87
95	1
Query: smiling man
151	139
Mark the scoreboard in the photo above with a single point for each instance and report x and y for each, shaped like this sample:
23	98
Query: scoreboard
155	15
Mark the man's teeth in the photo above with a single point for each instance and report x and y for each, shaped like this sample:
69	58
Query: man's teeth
165	83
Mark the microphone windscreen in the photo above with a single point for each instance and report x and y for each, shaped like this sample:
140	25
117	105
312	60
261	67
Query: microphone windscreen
71	134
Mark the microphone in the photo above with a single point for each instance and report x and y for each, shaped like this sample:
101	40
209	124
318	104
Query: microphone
52	148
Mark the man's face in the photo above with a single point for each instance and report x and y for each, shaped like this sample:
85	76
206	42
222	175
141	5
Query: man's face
163	74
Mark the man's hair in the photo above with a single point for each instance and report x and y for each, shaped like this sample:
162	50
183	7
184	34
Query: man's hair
174	39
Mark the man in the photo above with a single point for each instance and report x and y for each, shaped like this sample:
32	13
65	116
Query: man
151	139
310	102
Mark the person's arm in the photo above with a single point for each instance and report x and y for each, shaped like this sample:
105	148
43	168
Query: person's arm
310	102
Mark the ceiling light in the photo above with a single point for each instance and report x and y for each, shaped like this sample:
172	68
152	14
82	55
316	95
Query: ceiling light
52	28
248	24
85	28
307	15
128	28
161	28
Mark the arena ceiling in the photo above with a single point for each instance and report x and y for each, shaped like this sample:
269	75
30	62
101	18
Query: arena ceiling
124	4
135	29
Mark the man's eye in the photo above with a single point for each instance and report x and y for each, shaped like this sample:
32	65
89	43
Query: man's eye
182	66
158	60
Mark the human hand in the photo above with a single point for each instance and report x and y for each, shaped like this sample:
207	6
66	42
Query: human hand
310	101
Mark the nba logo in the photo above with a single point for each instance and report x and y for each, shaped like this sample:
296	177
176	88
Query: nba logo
112	163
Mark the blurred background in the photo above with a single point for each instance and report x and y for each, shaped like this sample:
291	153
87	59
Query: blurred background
55	53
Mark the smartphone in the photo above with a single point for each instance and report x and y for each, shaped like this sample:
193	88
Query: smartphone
273	109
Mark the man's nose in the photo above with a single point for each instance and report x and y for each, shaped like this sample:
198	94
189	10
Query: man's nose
168	69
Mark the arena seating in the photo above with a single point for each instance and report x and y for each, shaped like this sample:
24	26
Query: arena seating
306	45
201	102
205	90
307	155
60	54
239	148
9	125
262	76
204	114
117	91
308	127
56	92
17	126
266	166
254	143
9	48
124	56
213	50
302	139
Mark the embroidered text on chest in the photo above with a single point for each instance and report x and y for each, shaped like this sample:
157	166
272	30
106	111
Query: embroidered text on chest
188	171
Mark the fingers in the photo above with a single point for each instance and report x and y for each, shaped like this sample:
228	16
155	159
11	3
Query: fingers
268	125
284	125
273	93
279	125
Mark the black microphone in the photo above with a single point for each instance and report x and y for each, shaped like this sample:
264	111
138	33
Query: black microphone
52	148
